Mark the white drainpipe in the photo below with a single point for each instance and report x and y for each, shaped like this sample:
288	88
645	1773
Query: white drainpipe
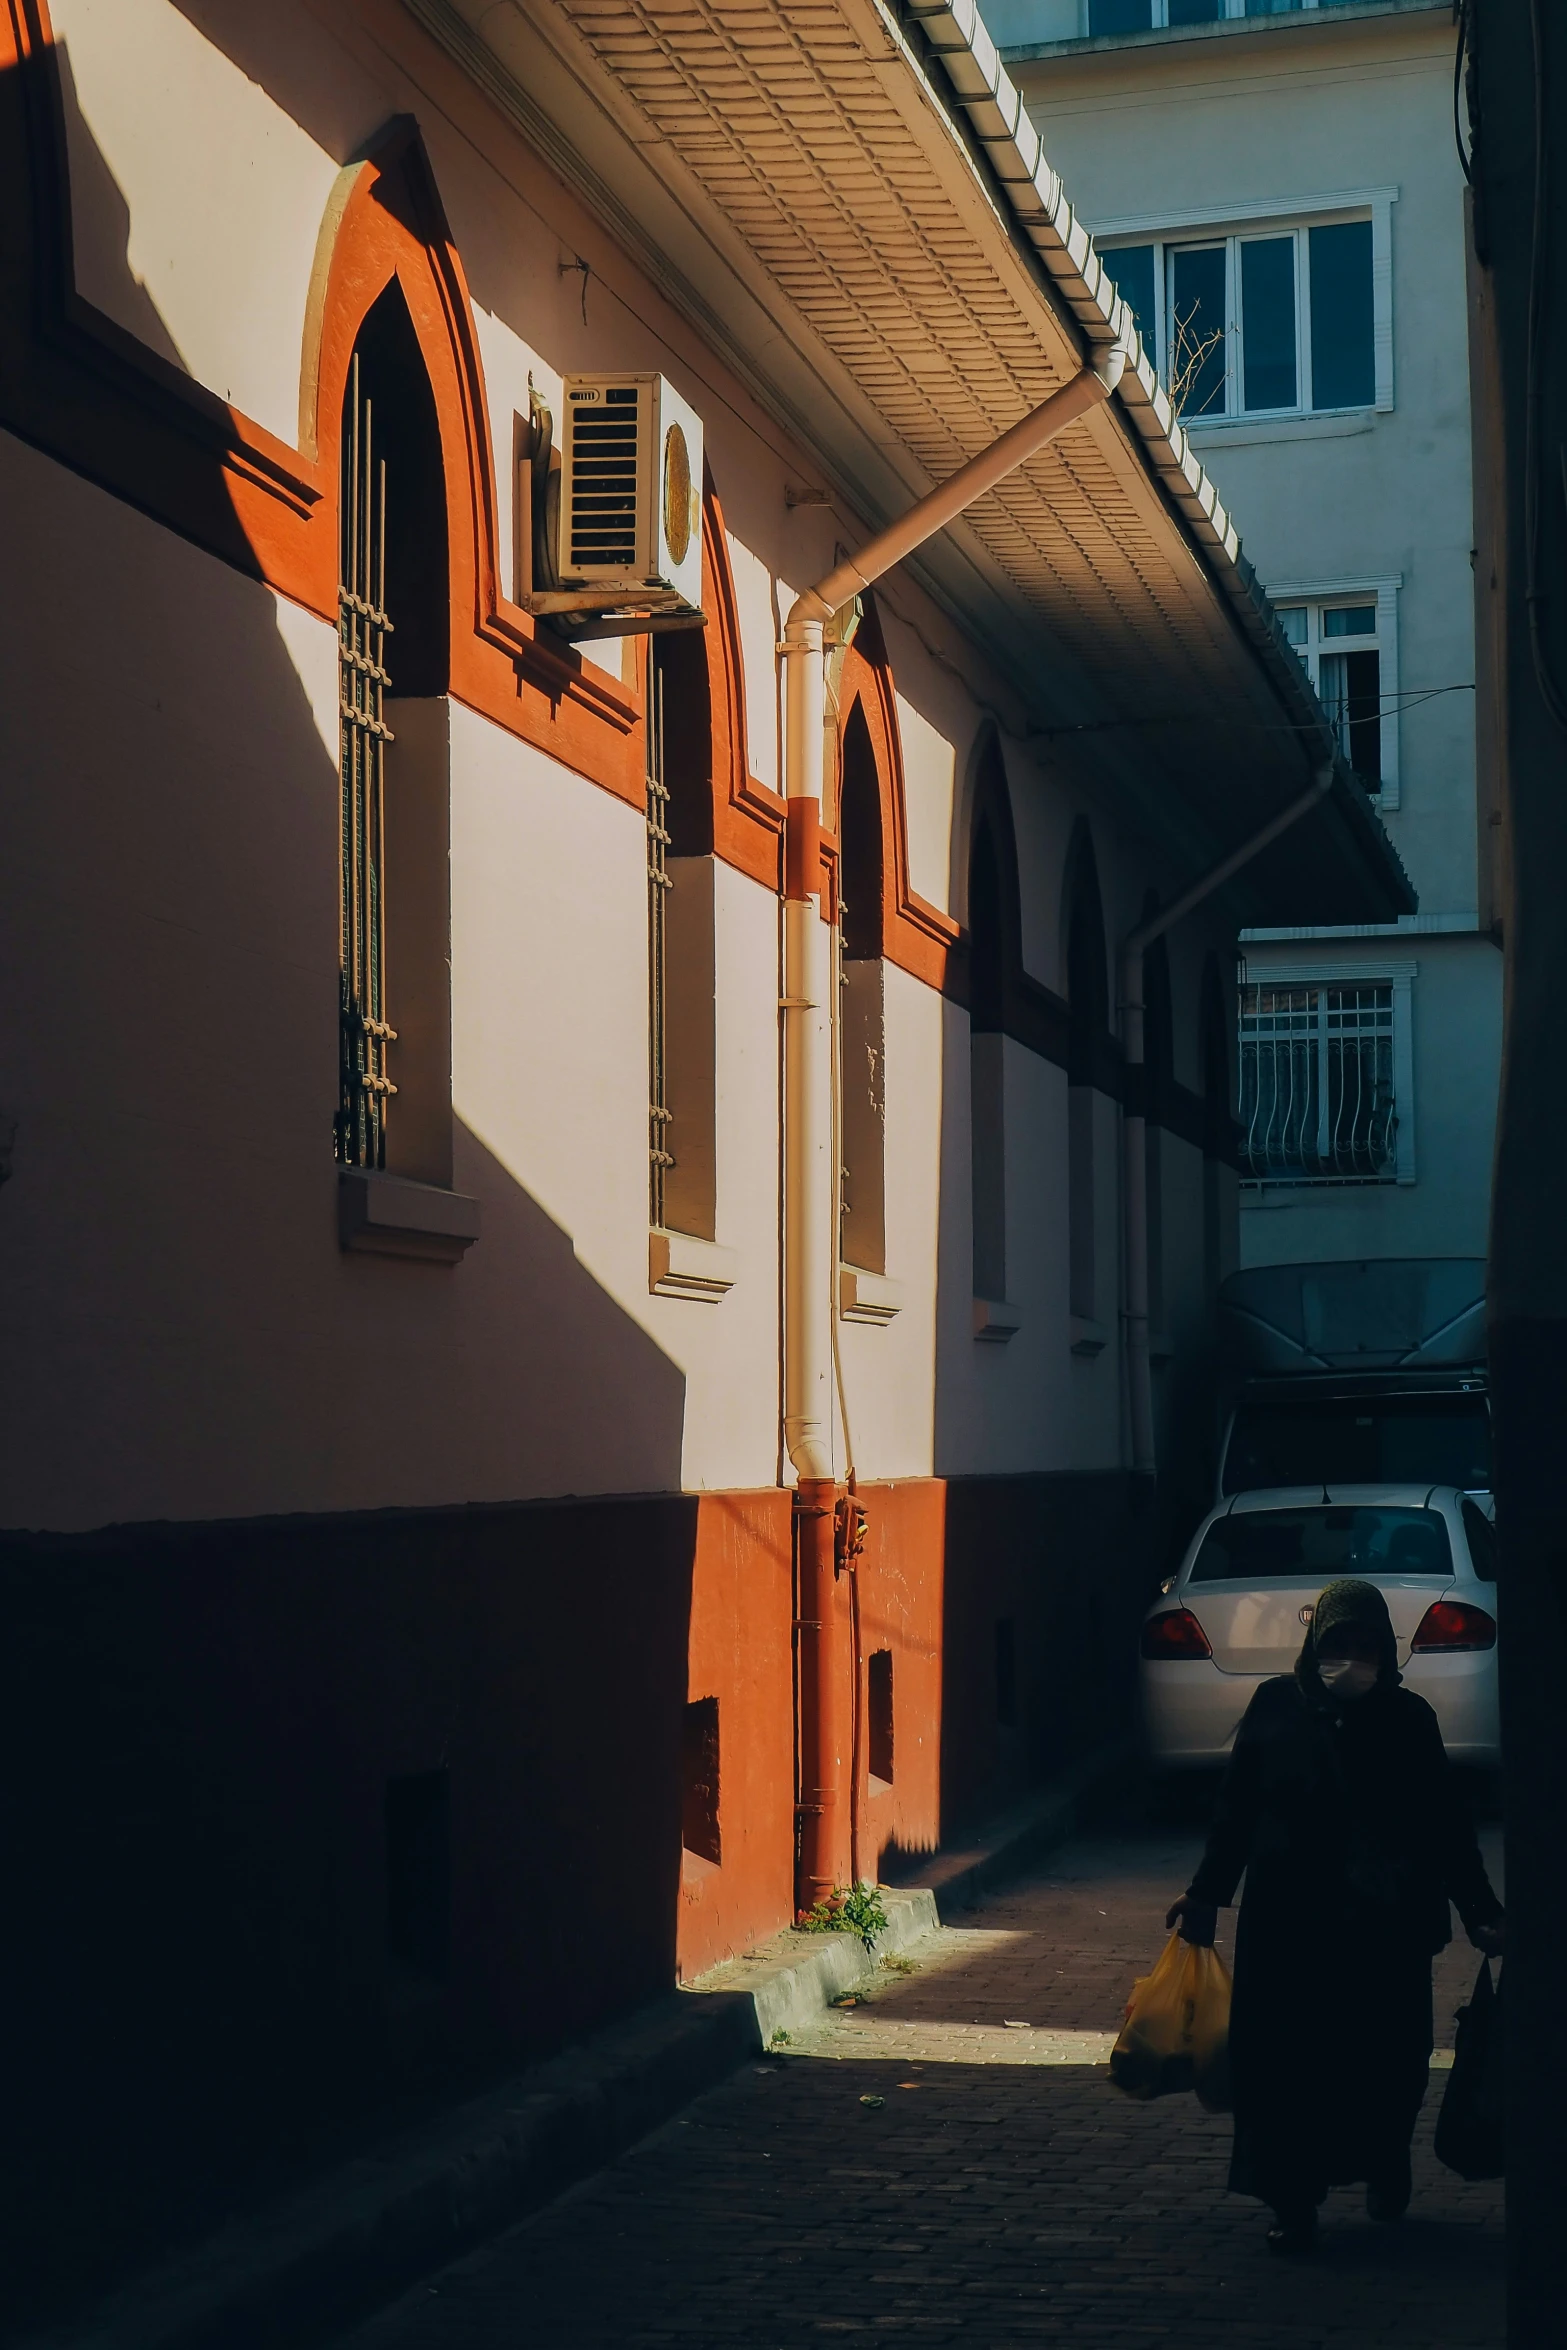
825	1667
1139	1372
808	1015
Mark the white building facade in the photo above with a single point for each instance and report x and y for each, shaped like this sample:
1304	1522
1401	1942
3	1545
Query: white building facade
402	1553
1277	190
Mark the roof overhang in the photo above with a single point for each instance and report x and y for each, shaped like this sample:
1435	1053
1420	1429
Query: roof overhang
850	205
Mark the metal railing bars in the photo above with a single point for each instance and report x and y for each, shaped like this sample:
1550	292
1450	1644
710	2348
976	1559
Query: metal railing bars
1317	1095
660	1158
364	1033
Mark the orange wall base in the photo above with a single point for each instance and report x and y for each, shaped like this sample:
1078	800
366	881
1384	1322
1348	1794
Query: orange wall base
1065	1561
741	1653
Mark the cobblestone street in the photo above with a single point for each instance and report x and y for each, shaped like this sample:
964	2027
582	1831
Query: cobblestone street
995	2190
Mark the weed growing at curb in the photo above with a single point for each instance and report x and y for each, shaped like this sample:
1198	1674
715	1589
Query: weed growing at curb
847	1909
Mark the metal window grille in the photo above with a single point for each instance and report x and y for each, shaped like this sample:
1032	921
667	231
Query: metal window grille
1317	1100
660	1159
364	1089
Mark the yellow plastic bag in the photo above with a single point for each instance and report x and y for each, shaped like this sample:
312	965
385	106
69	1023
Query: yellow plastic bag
1177	2030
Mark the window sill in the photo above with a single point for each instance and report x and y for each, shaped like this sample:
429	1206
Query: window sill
868	1297
1088	1338
680	1265
995	1321
1311	1191
1246	432
391	1216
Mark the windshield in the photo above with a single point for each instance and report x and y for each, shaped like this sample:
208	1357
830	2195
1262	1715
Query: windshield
1259	1546
1359	1440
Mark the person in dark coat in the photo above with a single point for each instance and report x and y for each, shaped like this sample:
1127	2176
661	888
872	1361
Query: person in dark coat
1339	1805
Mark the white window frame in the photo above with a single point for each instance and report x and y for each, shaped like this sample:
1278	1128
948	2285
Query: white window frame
1234	223
1321	595
1400	976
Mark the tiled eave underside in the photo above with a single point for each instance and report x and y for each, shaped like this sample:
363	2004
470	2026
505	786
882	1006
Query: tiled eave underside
892	267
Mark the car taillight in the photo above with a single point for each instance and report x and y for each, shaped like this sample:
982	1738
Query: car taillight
1174	1636
1450	1626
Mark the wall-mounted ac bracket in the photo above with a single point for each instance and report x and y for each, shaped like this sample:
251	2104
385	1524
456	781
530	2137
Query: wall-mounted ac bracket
562	606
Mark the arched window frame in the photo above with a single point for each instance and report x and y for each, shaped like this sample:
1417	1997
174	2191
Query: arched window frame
1084	961
993	941
1158	1079
705	803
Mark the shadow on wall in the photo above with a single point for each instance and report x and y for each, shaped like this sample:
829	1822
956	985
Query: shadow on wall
323	1820
1046	1572
322	1816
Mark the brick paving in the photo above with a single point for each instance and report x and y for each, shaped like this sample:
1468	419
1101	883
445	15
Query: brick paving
1001	2194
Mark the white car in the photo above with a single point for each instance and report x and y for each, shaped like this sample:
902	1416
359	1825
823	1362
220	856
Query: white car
1237	1612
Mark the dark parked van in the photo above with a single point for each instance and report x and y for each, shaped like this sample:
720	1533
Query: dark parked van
1356	1373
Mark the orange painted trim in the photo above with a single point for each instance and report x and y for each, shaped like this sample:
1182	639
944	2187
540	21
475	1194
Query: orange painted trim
77	385
748	819
916	935
386	221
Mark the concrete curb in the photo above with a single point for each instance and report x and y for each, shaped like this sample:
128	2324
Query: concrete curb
339	2247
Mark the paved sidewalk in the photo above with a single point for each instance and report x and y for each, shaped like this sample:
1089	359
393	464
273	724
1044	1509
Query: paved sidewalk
1000	2193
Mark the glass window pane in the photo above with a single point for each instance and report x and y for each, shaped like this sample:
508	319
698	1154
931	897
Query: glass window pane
1350	620
1132	268
1119	16
1195	11
1363	716
1268	322
1343	360
1292	619
1196	374
1333	693
1271	7
1258	1546
1360	1440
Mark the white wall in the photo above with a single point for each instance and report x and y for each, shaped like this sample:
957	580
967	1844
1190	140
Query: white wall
1177	130
184	171
1456	1018
185	1338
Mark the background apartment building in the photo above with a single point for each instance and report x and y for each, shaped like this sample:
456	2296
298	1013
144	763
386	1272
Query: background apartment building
1277	192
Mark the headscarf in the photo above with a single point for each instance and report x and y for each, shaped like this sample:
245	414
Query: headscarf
1348	1601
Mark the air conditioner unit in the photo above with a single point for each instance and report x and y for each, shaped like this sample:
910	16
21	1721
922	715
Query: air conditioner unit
630	494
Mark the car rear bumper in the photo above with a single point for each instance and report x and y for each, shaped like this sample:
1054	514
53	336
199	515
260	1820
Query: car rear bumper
1462	1692
1191	1710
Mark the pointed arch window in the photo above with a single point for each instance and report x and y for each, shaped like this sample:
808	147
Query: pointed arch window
1158	1072
394	990
682	950
987	1066
1087	1023
862	1027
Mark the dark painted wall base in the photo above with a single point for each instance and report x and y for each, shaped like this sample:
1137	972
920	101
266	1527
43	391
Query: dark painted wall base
314	1823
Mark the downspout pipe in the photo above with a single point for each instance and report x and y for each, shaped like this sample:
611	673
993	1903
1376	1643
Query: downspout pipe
1135	1122
810	1018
